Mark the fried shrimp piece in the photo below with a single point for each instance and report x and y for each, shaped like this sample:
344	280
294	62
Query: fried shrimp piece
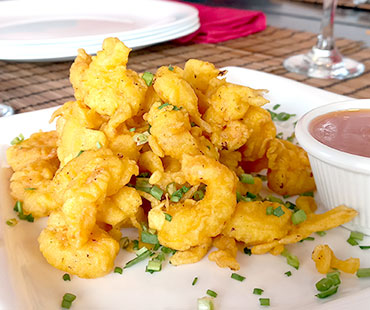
225	256
93	259
315	222
105	84
194	222
251	225
171	129
192	255
289	170
173	89
39	146
325	260
262	131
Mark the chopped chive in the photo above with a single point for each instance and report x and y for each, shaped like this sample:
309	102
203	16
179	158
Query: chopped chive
135	244
246	178
247	251
132	129
166	250
334	276
194	281
308	239
257	291
288	273
321	233
283	116
118	270
148	78
168	217
274	199
154	266
141	138
69	297
171	188
156	192
163	105
66	304
147	237
198	195
279	135
124	242
364	247
156	247
276	106
17	140
357	235
18	207
240	197
211	293
170	68
141	251
291	206
293	261
98	145
352	241
324	284
30	188
310	194
278	211
12	222
262	177
327	293
291	137
138	259
363	273
251	195
237	277
160	257
80	152
264	301
269	210
66	277
175	108
299	217
205	303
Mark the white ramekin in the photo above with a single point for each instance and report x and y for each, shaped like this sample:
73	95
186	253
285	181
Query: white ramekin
341	178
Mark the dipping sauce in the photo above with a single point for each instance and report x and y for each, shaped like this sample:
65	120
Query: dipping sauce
347	131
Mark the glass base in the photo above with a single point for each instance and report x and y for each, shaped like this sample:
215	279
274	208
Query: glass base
324	64
6	110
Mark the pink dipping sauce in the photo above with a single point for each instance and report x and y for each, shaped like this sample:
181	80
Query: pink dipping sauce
347	131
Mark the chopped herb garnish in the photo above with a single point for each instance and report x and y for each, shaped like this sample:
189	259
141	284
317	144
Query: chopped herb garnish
327	293
291	260
257	291
177	195
278	211
194	281
246	178
66	277
135	244
334	276
247	251
163	105
166	250
279	135
18	207
147	237
68	298
148	78
321	233
364	247
251	195
118	270
299	217
308	239
357	235
30	188
17	140
324	284
274	199
156	192
12	222
352	241
276	106
198	195
291	137
171	188
237	277
264	301
124	242
98	145
138	259
141	138
79	153
288	273
283	116
170	68
205	303
262	177
240	197
363	273
168	217
269	210
211	293
310	194
154	266
132	129
175	108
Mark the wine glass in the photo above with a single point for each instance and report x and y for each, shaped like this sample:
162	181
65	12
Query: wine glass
5	110
324	60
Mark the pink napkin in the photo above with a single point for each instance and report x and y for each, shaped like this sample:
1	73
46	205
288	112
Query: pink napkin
218	24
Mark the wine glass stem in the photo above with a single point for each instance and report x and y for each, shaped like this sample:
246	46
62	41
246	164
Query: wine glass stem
325	40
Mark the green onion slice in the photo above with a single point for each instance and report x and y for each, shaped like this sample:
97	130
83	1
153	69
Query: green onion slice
246	178
171	188
163	105
147	237
205	303
168	217
198	195
324	284
257	291
17	140
247	251
288	273
118	270
138	259
194	281
141	138
66	277
352	241
321	233
237	277
154	265
156	192
124	242
264	301
170	68
12	222
211	293
299	217
69	297
334	276
327	293
278	211
269	210
307	194
363	273
132	129
364	247
357	235
98	145
66	304
148	78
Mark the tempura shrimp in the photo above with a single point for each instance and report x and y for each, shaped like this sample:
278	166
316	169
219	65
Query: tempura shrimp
194	222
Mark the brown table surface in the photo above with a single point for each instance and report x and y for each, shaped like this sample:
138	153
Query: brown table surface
33	86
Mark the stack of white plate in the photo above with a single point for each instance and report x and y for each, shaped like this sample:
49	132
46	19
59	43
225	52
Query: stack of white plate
47	30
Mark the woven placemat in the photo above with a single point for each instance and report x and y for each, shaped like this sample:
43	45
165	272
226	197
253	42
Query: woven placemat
33	86
341	3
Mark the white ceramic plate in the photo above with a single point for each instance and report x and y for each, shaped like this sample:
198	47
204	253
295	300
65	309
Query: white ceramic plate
34	30
37	285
